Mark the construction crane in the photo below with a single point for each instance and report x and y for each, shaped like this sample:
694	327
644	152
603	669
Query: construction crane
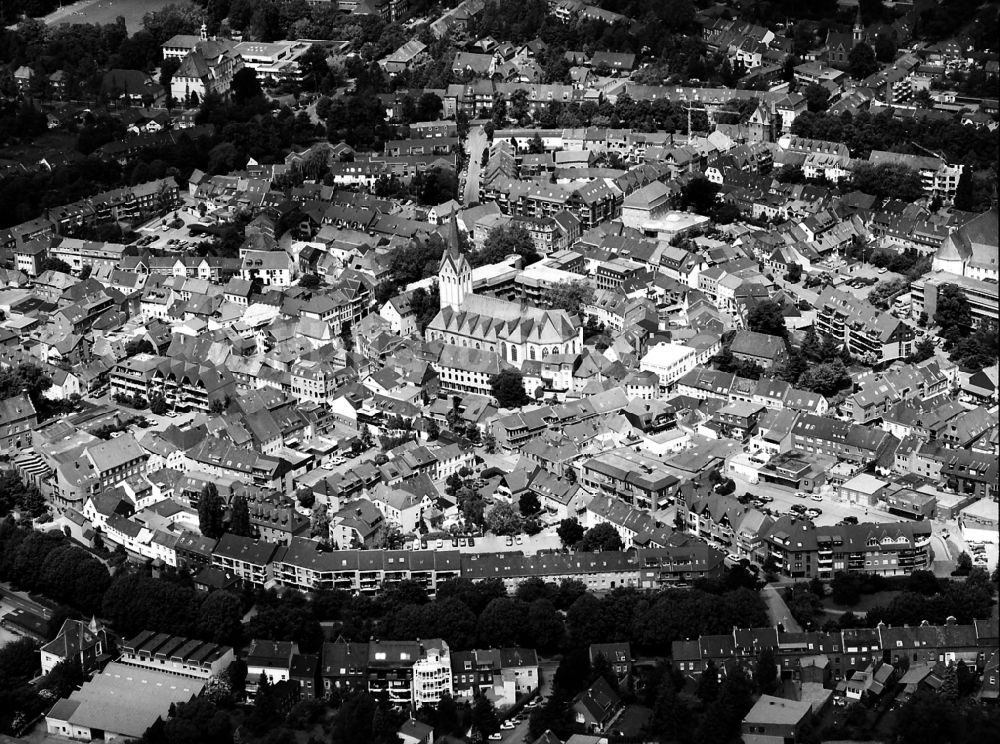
689	110
937	155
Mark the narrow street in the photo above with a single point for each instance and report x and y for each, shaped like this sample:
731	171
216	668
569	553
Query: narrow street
475	144
778	610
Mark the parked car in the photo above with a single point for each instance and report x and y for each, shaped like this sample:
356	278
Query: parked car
508	725
800	494
816	497
519	540
510	540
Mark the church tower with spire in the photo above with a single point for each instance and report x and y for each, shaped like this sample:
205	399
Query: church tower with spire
859	27
454	273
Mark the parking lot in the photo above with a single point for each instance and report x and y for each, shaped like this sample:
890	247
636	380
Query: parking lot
158	235
833	510
527	544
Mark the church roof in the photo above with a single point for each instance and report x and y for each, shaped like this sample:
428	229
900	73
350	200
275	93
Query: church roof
493	319
975	241
452	252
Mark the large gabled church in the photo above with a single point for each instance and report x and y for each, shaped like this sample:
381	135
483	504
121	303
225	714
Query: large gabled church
514	330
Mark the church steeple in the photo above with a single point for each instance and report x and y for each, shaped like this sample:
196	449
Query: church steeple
454	273
859	27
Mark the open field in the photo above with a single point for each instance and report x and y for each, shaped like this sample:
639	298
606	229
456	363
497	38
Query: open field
105	11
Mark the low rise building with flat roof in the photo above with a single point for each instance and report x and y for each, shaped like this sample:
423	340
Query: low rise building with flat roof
121	702
775	720
980	521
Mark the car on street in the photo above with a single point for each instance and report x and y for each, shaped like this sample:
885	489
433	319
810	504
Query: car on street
510	540
733	557
813	513
766	499
816	497
519	540
800	494
496	737
508	726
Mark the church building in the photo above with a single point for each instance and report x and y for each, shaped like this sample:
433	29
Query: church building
514	330
971	250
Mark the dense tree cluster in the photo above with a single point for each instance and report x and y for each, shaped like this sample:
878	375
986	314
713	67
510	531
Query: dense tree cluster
864	132
135	602
48	563
15	494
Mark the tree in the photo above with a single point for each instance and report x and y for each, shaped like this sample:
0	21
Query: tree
139	346
438	186
923	351
508	389
963	563
502	622
708	684
765	675
210	511
861	61
671	718
239	516
766	317
65	677
529	504
817	97
484	716
245	86
953	312
429	107
545	625
825	379
503	520
503	241
55	264
570	531
569	296
599	538
314	67
310	281
699	193
220	618
158	404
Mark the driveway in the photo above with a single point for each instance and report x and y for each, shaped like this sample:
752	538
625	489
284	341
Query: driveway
475	144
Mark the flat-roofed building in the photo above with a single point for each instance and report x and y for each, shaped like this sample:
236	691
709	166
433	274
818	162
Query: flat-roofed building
121	702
